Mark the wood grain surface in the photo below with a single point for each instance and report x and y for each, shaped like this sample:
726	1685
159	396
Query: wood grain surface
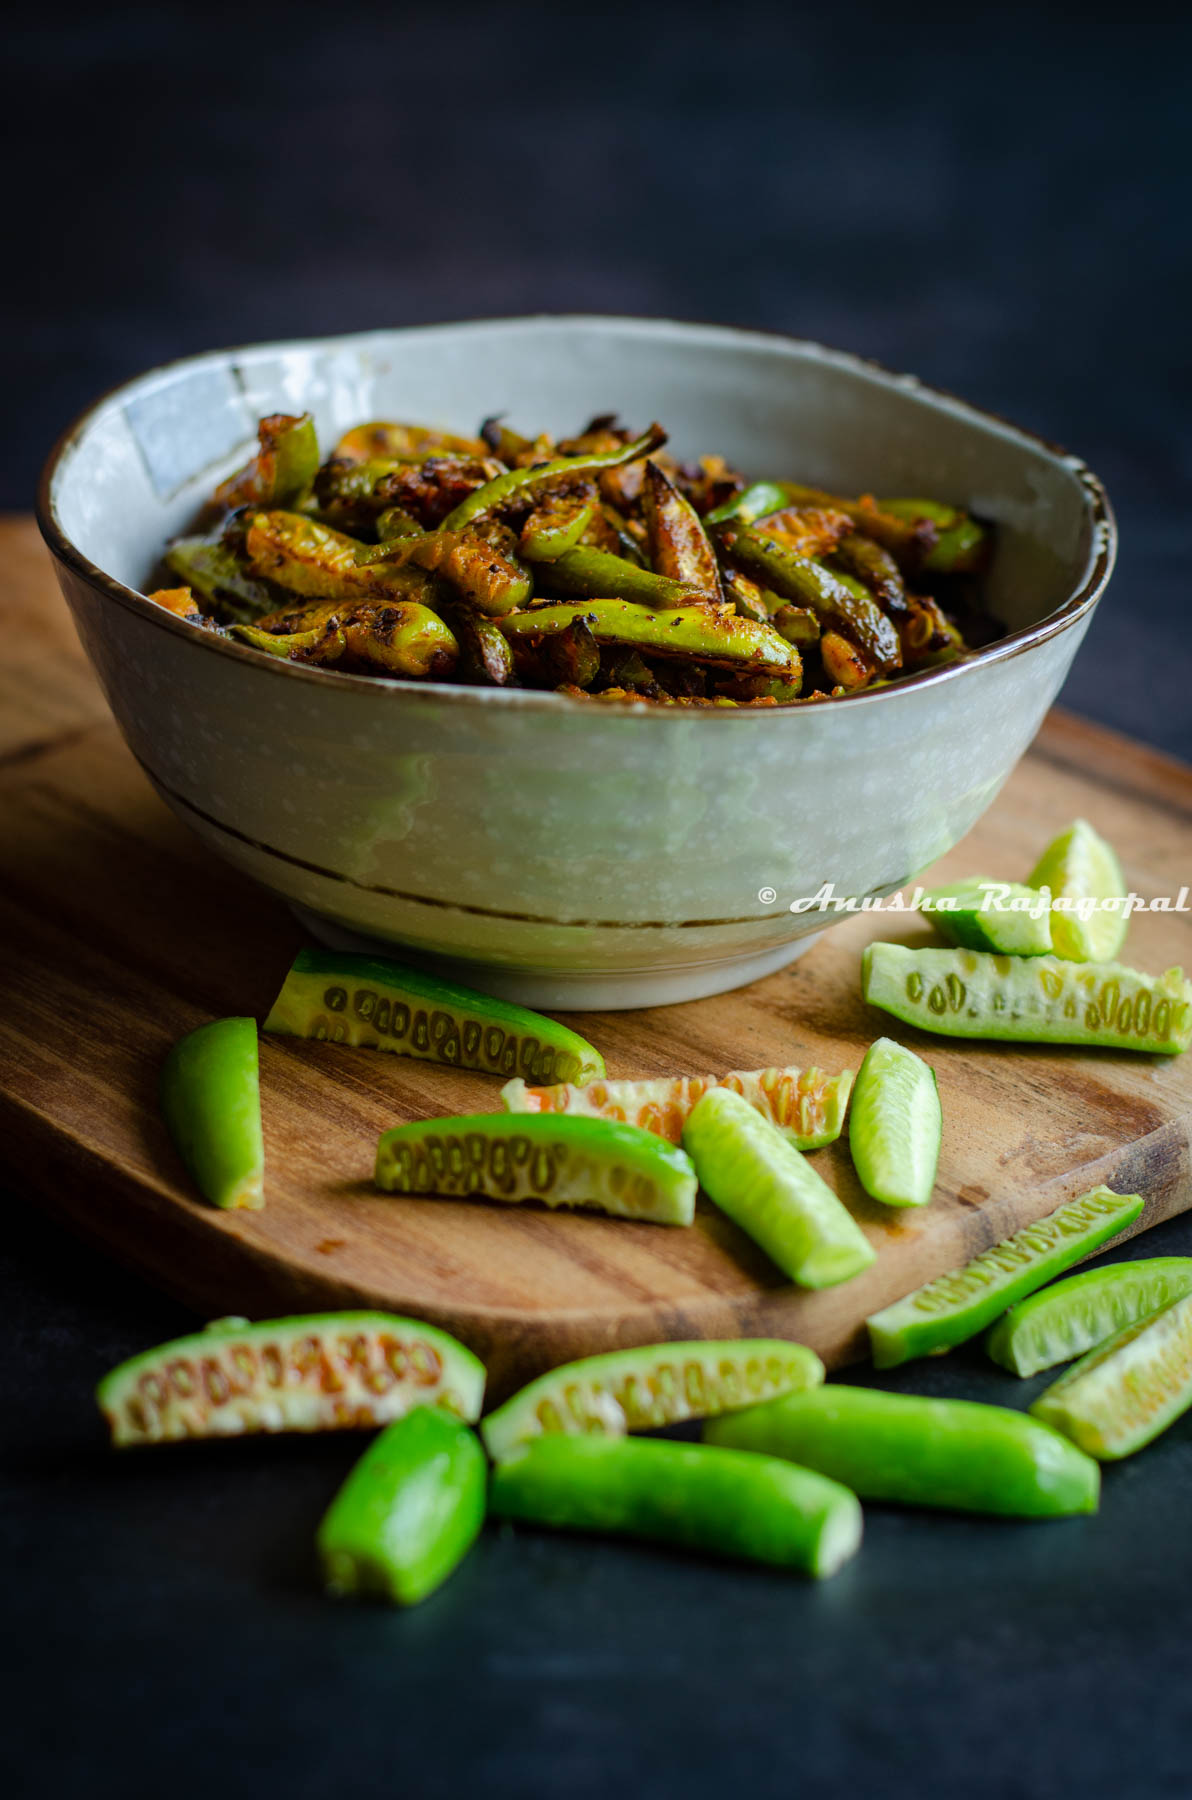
121	934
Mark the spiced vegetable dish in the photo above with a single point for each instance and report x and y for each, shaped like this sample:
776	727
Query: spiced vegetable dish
597	565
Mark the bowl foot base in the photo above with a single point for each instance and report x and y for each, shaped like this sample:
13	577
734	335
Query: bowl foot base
615	991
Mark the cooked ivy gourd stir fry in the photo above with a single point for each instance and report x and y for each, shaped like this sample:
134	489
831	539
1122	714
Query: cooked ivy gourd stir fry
596	565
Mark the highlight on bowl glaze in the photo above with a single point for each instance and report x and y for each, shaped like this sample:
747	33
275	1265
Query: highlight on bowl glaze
562	853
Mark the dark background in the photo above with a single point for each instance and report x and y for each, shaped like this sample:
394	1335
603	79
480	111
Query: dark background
996	200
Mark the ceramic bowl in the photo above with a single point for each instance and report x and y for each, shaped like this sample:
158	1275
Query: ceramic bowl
553	850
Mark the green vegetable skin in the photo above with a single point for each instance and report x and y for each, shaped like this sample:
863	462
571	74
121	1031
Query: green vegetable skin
895	1125
1120	1396
956	1454
761	1181
599	574
526	484
375	1004
617	1169
315	1372
962	543
697	631
1079	865
976	915
717	1501
408	1513
660	1384
1029	1000
211	1101
1076	1315
958	1305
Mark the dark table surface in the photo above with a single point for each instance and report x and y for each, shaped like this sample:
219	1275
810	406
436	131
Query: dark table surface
997	202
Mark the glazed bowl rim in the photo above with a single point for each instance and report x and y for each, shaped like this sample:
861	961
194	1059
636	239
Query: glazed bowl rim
1103	547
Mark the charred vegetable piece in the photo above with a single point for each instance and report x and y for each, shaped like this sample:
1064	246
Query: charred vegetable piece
962	545
597	574
806	530
846	667
408	1513
553	529
616	1169
317	563
797	624
659	1384
485	656
212	570
480	574
573	656
527	484
955	1307
1029	1000
394	523
909	540
896	1125
285	464
377	1004
403	443
927	637
980	914
805	1104
1081	871
715	1501
1075	1315
403	638
916	1451
838	600
678	544
316	1372
211	1101
695	631
761	1181
865	558
1119	1397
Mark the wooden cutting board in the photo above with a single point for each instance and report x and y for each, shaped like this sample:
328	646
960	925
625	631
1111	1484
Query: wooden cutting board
121	933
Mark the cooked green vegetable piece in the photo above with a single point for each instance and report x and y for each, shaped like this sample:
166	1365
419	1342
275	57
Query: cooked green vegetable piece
400	637
213	570
696	631
1120	1396
616	1169
982	914
573	655
1076	1315
599	575
895	1125
523	485
836	598
957	1454
408	1513
1080	868
317	563
806	1105
485	655
678	544
483	576
378	1004
958	1305
285	464
551	530
752	503
865	558
660	1384
716	1501
315	1372
761	1181
962	544
910	540
1029	1000
394	523
211	1101
797	624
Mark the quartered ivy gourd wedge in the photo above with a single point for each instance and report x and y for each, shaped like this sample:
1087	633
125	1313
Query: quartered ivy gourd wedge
896	1125
314	1372
558	1161
658	1384
981	914
1074	1316
210	1099
957	1454
806	1105
1120	1396
1029	1000
376	1004
1082	873
722	1502
955	1307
